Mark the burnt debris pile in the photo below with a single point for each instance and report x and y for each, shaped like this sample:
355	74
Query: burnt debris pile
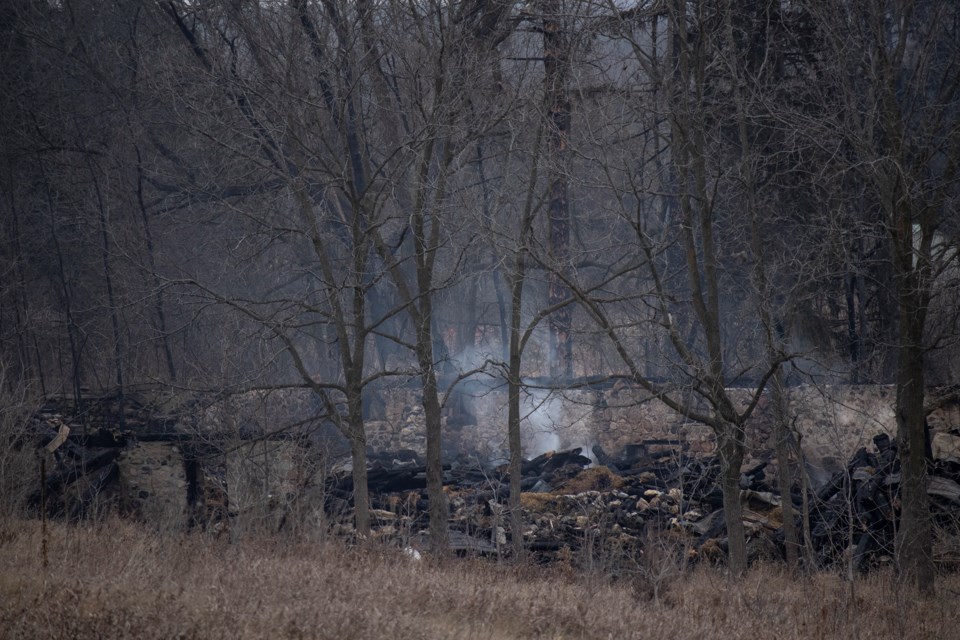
573	507
588	506
593	511
856	512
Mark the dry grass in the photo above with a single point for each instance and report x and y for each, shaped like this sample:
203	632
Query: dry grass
118	581
598	478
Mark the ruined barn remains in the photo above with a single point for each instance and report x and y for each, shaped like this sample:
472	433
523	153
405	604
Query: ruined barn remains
607	471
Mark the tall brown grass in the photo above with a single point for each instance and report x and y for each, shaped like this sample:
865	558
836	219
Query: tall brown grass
117	580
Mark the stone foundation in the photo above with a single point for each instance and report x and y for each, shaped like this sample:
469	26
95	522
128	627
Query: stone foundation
256	482
153	484
832	422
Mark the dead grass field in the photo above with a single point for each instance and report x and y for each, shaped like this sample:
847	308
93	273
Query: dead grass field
118	581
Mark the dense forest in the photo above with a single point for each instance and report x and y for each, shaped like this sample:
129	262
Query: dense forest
687	195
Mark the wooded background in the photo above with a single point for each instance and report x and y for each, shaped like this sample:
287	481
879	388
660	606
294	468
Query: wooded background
686	195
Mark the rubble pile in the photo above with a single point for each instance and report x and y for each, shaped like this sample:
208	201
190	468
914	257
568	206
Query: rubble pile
572	505
576	504
855	513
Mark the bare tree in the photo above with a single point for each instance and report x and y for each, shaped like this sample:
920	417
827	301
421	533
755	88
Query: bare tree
679	246
448	129
556	65
357	165
894	88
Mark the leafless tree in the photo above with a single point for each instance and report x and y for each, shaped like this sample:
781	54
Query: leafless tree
675	193
891	70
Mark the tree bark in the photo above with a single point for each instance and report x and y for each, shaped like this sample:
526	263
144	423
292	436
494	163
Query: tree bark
914	544
439	512
689	149
747	133
513	405
731	447
556	43
782	448
358	457
516	453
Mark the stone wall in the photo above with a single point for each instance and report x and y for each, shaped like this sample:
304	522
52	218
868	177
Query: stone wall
832	421
153	484
257	480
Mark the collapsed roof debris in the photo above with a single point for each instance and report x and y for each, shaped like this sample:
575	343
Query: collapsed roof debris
572	507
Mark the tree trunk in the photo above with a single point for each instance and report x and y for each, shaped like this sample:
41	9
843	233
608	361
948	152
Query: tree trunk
781	434
513	406
555	63
731	447
516	456
495	270
438	501
434	426
915	537
358	456
747	134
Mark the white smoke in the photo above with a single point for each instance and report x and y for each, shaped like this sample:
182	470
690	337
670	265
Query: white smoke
540	414
544	441
550	422
473	358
